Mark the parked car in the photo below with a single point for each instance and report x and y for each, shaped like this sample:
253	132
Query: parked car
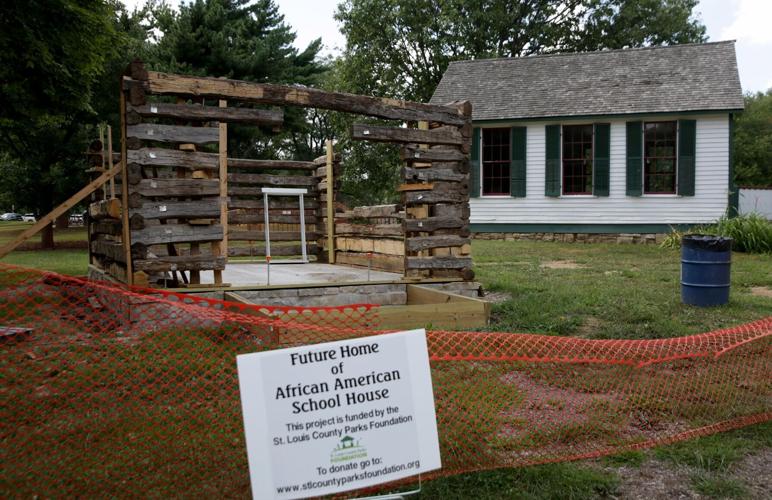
29	218
77	219
11	216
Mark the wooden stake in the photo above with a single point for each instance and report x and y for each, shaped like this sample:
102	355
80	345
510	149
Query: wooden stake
126	236
110	159
221	247
330	204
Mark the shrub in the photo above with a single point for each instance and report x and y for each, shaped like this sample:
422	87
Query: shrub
750	233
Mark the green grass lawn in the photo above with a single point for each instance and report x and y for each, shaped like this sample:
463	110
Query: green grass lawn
587	290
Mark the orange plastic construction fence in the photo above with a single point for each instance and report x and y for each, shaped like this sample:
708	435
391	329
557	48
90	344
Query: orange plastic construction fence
115	391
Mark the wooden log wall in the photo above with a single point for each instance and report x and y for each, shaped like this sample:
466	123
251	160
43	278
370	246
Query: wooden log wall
322	185
178	173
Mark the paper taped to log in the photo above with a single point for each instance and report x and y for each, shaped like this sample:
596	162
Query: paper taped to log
173	133
237	90
380	133
196	112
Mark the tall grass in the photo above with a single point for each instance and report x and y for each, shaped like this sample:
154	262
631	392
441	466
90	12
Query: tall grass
750	233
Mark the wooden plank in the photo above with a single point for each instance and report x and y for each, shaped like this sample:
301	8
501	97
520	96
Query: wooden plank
431	224
415	187
412	152
181	263
382	246
376	211
433	174
442	193
105	209
177	187
126	236
380	133
259	218
392	109
221	248
179	233
61	209
173	133
437	262
162	157
107	226
370	229
418	243
272	180
204	208
449	316
330	203
197	112
274	202
389	263
245	163
236	235
247	190
276	250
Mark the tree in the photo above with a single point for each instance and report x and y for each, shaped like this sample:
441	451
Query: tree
753	141
245	41
402	47
52	53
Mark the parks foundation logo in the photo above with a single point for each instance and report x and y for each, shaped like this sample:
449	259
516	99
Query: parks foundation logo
347	450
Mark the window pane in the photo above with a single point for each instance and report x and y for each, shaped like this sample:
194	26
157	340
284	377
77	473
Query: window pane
659	174
577	159
495	161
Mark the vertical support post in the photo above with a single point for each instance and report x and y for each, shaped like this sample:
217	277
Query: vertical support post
303	249
126	232
267	229
221	247
330	203
110	159
102	142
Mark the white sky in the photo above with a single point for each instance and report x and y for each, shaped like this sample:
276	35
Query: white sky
746	21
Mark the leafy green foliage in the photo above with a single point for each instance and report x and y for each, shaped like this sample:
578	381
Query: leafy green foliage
750	233
753	141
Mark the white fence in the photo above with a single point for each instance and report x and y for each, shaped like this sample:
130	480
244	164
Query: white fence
756	200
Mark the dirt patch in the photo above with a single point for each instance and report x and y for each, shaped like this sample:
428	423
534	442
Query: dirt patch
590	326
654	479
497	297
561	264
761	291
547	407
753	471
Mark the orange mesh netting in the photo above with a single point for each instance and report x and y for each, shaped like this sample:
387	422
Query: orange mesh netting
112	391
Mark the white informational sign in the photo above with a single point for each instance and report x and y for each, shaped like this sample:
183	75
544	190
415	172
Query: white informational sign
338	416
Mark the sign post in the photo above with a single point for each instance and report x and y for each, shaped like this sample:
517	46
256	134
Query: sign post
338	416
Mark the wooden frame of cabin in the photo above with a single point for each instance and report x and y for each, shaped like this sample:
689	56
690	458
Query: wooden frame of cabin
185	205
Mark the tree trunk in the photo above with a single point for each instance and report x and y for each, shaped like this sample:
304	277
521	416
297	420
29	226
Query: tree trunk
63	221
47	237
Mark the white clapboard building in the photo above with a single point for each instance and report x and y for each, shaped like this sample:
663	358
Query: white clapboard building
616	141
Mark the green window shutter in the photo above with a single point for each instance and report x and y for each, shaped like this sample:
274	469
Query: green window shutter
687	143
517	163
634	158
474	165
552	164
601	159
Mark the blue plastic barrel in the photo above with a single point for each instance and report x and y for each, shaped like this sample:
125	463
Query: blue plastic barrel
705	263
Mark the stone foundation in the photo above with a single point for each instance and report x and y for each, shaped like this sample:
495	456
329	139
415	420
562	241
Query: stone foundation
637	238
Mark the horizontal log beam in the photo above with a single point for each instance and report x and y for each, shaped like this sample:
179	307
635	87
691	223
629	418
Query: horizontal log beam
173	134
106	226
379	133
282	95
196	112
369	229
177	233
181	263
177	187
276	250
274	202
441	193
272	180
275	235
418	243
436	262
412	152
433	174
112	250
431	224
160	157
246	163
105	209
199	209
259	218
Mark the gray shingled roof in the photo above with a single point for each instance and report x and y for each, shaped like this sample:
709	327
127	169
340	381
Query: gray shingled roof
688	77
